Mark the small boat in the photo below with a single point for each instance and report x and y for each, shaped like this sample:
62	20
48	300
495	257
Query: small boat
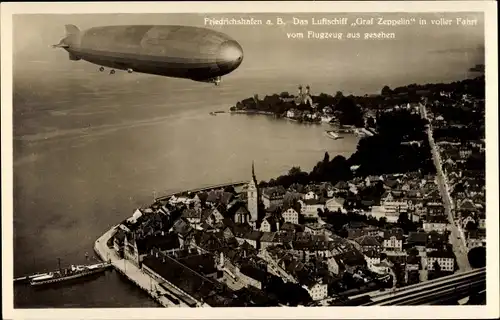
332	135
73	272
213	114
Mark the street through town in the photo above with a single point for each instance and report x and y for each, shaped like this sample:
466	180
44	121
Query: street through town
456	237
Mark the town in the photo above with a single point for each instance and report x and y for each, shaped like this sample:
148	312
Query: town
407	207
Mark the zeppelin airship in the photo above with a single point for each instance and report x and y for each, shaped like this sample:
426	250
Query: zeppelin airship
185	52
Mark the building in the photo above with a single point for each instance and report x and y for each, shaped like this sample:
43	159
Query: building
193	216
341	187
309	208
317	290
372	180
445	259
267	240
476	238
335	205
435	209
394	201
291	113
316	248
417	240
315	228
118	242
372	258
273	197
212	216
252	276
304	97
270	224
368	243
253	197
413	263
381	268
393	240
252	237
311	195
291	216
332	265
242	215
436	223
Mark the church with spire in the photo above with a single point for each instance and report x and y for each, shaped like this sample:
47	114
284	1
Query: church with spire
304	97
253	198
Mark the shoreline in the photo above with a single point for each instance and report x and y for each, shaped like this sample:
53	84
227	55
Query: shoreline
267	113
210	187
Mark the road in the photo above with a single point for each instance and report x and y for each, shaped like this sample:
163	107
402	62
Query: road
457	238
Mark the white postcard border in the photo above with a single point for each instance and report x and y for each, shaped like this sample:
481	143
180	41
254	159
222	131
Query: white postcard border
490	12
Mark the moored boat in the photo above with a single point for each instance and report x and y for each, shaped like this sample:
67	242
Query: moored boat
73	272
332	135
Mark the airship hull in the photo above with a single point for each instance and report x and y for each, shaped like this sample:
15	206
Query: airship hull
173	51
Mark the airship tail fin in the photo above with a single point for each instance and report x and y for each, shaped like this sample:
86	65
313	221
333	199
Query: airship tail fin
71	29
72	35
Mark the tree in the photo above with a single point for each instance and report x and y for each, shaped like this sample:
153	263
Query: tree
284	94
350	113
386	91
230	189
403	218
320	212
413	252
339	95
382	221
326	158
477	257
296	294
471	226
370	122
437	267
294	171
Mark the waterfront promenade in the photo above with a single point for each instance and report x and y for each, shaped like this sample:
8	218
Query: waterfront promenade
132	272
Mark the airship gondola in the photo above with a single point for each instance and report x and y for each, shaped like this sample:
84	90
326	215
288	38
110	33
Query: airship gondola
185	52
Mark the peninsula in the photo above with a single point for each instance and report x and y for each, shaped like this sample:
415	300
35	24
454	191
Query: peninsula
408	206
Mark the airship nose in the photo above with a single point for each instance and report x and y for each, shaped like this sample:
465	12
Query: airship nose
230	55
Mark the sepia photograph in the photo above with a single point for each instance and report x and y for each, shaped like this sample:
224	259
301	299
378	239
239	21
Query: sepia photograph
210	157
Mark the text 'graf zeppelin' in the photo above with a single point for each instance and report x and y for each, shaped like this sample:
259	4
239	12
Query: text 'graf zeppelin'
379	21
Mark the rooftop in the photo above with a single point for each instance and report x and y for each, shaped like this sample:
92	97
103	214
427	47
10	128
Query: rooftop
417	237
367	241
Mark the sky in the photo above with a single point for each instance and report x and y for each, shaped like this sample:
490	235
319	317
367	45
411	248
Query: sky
267	48
419	54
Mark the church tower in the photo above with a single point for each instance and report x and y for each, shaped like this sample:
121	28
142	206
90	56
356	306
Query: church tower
253	197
